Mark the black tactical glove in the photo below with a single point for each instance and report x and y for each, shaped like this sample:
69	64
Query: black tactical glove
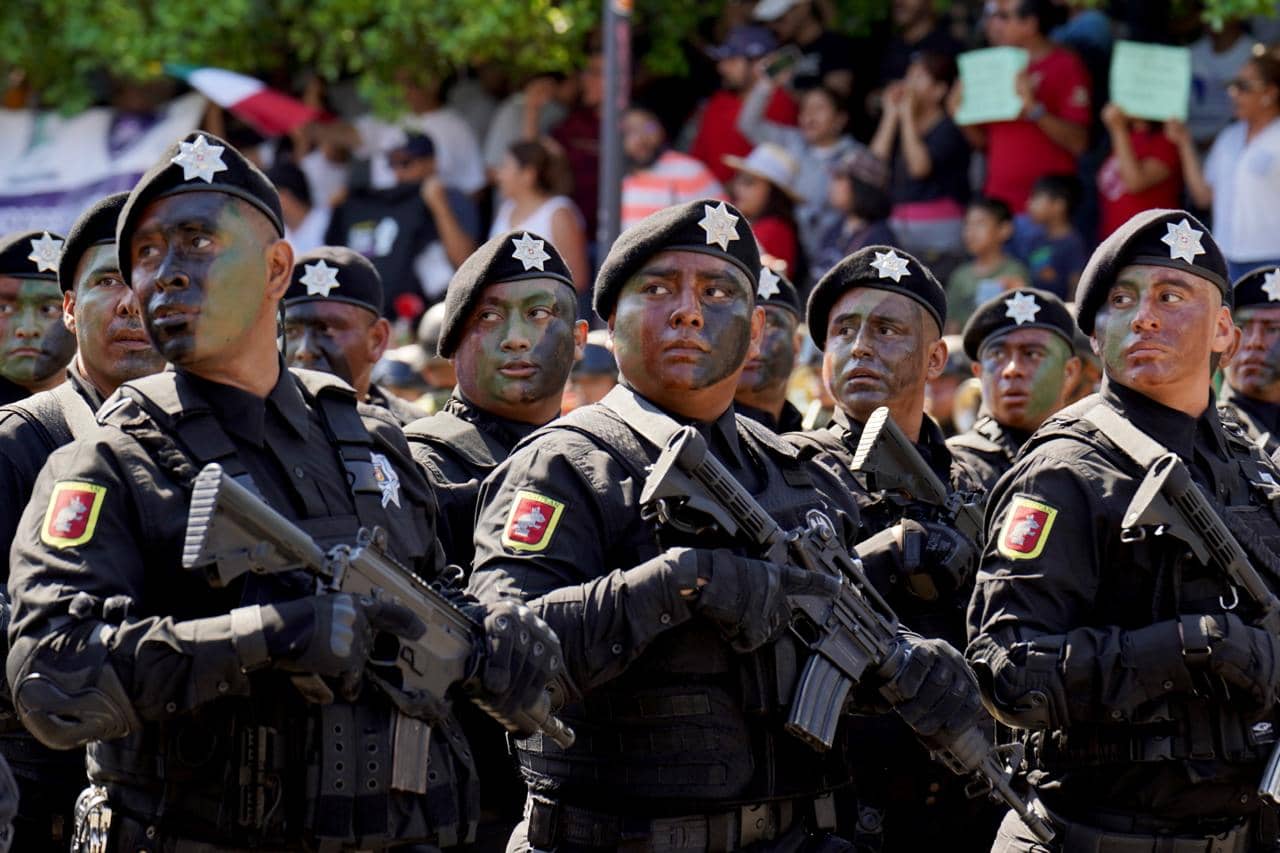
1245	657
928	557
934	690
522	656
332	635
747	599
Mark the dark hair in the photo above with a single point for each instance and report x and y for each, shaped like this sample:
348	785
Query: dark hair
940	67
1064	188
287	176
871	203
1047	14
994	206
837	100
1267	63
549	169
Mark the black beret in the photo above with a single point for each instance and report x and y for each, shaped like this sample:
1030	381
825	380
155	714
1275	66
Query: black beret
1257	287
596	361
774	288
31	254
878	268
335	274
514	256
95	227
707	225
1024	308
199	163
1164	238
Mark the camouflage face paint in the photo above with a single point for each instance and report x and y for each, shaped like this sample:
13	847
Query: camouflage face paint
877	351
36	345
114	346
1023	376
771	368
517	349
332	337
683	323
1255	371
200	271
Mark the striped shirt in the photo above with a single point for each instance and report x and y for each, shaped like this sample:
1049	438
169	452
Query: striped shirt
674	178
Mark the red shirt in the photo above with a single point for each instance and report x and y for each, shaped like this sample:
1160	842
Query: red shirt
1116	204
718	132
1019	152
778	238
579	133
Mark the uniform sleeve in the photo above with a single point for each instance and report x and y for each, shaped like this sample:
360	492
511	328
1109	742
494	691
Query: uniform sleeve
544	520
19	467
1033	638
84	614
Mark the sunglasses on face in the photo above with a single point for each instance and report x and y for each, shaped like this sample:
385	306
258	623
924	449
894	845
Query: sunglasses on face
1242	85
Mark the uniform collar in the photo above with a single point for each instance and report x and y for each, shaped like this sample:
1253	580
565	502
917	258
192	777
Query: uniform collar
83	386
245	414
1265	415
722	433
508	432
1176	430
1006	436
932	443
11	392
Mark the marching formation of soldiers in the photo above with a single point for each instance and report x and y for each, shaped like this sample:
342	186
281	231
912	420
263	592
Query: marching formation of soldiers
255	602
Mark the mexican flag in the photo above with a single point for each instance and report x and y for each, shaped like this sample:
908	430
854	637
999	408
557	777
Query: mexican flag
268	111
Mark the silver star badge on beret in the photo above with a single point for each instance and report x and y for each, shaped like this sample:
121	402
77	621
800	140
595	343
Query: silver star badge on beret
319	278
1183	241
891	265
720	225
530	252
199	159
45	253
1021	308
1271	285
768	287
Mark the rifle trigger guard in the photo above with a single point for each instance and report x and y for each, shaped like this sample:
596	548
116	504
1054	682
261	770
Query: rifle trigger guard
1235	599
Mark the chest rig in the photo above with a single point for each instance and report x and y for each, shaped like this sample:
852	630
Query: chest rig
690	724
270	769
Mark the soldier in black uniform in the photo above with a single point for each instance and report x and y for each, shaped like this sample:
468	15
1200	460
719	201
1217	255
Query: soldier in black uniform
1251	393
198	738
100	309
878	316
1145	693
1022	347
511	331
333	323
675	643
762	391
34	345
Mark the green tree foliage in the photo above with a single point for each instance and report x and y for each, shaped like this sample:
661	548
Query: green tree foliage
65	47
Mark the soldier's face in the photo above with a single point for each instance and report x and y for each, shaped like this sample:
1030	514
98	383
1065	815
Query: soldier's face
684	323
1026	375
335	337
35	345
518	347
878	351
1158	329
104	315
1255	369
200	270
770	366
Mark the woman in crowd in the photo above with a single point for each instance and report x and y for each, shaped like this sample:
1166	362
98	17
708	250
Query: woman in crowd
1241	176
534	183
860	192
928	157
761	188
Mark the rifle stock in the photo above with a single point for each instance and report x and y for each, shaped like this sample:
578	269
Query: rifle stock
231	532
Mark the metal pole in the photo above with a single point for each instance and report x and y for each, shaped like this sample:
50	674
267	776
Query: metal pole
617	93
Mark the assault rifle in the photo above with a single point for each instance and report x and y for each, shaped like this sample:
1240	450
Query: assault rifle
1169	503
849	637
890	463
231	532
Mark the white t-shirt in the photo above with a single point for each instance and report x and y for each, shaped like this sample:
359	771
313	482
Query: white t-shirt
325	178
310	232
1209	109
1246	192
539	222
458	159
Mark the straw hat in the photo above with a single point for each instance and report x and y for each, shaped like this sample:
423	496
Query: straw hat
769	162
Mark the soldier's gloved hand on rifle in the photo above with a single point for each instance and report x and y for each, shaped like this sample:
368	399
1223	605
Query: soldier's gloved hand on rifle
330	635
747	599
934	690
930	558
522	656
1245	657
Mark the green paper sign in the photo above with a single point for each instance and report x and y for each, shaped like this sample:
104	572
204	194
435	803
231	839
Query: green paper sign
989	78
1151	81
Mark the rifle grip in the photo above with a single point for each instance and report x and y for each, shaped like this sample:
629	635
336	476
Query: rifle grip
818	702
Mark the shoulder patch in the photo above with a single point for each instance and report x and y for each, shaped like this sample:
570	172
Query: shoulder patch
532	522
72	514
1026	529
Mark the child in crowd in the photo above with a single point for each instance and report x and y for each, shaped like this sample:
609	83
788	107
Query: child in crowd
1044	238
859	190
988	225
762	189
1143	171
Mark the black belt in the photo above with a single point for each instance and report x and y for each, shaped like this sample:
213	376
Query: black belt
1079	837
551	823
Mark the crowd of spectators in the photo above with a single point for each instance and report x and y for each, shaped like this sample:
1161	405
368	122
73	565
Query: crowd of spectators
826	142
